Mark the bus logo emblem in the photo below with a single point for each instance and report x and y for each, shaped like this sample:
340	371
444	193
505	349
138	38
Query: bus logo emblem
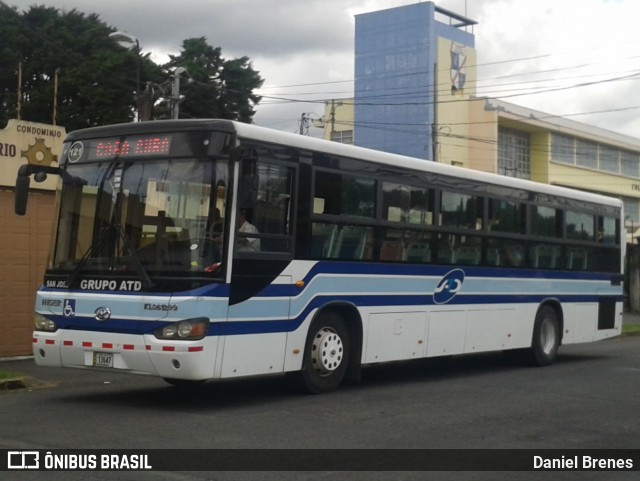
448	286
102	314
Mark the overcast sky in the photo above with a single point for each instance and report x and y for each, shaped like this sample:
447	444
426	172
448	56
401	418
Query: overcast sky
534	53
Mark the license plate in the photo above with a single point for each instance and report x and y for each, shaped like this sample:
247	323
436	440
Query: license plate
103	359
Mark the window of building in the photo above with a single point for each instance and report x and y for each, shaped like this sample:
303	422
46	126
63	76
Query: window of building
631	211
562	149
342	136
609	159
630	164
514	153
591	155
586	154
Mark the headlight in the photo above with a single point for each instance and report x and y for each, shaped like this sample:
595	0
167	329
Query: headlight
44	324
188	330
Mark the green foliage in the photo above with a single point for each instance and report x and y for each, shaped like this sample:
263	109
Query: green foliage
93	72
4	375
101	82
214	87
631	329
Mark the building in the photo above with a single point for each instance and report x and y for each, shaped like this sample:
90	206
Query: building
416	77
24	241
398	75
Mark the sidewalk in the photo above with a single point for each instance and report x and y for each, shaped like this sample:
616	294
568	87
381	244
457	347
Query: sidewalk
630	318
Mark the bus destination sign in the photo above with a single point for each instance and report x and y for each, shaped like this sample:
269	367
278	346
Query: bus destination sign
120	148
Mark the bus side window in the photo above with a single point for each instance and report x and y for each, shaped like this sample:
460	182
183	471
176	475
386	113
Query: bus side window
545	256
461	210
353	242
323	237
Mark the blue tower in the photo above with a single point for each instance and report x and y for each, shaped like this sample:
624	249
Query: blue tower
395	75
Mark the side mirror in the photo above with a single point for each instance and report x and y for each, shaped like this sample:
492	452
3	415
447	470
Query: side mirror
21	194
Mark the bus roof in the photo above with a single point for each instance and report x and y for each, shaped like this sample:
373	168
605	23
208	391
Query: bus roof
335	148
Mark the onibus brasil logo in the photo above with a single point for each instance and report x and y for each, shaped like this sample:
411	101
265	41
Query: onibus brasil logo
449	286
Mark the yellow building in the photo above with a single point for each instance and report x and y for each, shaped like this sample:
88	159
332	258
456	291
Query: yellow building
24	241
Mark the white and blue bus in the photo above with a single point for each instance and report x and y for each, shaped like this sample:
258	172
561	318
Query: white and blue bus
209	249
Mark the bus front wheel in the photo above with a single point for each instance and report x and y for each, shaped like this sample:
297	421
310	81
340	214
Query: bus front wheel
326	354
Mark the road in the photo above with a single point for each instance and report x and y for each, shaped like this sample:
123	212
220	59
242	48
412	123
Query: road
589	399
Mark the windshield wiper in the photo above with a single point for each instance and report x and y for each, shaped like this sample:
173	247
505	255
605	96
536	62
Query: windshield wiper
104	235
147	283
85	257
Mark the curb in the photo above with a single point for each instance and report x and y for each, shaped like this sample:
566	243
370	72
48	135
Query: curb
15	383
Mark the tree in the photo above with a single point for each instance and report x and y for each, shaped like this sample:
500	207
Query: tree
217	88
96	76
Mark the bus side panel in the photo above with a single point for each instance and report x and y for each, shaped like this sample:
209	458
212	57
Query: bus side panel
446	332
253	354
580	322
584	322
491	329
395	335
247	352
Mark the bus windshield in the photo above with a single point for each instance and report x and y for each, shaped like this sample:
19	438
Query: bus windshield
142	218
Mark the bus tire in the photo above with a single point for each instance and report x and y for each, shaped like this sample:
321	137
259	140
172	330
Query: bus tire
326	354
546	338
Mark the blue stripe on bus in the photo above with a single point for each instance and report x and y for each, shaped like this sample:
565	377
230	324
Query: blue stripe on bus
229	328
360	268
358	284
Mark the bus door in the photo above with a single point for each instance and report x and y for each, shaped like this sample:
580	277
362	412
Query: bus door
260	288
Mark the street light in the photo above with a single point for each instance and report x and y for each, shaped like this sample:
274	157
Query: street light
130	41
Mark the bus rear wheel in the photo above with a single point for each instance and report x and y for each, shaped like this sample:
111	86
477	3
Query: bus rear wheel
544	343
546	337
326	354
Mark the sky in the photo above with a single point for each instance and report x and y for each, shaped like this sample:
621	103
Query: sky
578	59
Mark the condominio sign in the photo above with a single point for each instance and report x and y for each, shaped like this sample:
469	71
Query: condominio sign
29	142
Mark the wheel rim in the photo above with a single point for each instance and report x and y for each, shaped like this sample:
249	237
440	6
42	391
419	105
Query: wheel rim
548	337
326	351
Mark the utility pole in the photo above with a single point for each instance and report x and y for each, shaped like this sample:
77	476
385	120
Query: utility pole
55	96
434	126
175	92
19	101
333	118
